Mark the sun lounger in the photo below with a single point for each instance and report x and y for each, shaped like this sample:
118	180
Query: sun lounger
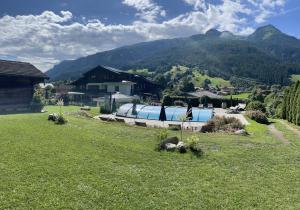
120	120
142	124
175	126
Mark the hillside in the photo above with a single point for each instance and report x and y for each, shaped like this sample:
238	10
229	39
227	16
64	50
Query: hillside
267	55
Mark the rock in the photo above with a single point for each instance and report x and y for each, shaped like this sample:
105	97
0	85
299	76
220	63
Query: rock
181	147
172	140
52	117
241	132
170	146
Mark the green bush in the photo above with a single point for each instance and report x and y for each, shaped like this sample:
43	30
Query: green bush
60	120
179	103
228	124
194	146
161	135
104	110
256	106
258	116
167	100
38	100
175	127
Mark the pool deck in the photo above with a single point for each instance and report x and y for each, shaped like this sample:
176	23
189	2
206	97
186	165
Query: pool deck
190	126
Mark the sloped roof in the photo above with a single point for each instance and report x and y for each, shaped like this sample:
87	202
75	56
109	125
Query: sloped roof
118	71
204	93
16	68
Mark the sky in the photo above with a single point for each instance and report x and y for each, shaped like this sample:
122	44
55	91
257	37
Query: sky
45	32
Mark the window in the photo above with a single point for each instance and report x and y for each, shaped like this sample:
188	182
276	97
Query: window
117	88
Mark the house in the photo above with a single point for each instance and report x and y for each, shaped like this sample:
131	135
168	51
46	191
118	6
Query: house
17	80
102	80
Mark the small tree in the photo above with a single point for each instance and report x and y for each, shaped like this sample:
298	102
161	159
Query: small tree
60	120
182	119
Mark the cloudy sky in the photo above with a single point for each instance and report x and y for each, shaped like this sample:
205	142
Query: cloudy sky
46	32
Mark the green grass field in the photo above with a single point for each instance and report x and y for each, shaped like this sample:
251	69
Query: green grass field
215	81
89	164
241	96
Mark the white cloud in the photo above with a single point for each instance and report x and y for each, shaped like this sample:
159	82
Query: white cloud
263	9
48	38
147	9
197	4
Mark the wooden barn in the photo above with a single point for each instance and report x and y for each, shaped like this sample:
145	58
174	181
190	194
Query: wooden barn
104	80
17	80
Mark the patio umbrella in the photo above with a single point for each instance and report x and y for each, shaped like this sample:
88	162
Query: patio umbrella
189	112
162	115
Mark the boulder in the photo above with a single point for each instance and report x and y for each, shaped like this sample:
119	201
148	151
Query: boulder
241	132
172	140
170	147
181	147
52	117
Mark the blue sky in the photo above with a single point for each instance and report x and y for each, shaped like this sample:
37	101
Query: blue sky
46	32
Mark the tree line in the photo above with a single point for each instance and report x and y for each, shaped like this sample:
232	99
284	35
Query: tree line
291	104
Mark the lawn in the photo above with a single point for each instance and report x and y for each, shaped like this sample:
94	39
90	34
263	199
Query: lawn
89	164
215	81
241	96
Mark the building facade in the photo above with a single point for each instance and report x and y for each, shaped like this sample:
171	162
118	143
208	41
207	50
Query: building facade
101	81
17	80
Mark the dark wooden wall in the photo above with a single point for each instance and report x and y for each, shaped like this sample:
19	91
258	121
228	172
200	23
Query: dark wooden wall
12	98
16	93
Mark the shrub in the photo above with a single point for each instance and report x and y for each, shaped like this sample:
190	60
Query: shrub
229	124
60	120
179	103
160	136
258	116
104	110
208	127
194	146
52	101
38	100
174	127
256	106
167	100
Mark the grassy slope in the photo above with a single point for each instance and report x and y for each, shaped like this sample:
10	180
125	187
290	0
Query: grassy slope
88	164
215	81
198	79
241	96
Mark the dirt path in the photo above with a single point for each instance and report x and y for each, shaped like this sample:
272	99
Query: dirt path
278	134
291	128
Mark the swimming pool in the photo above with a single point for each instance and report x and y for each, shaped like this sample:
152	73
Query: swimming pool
172	113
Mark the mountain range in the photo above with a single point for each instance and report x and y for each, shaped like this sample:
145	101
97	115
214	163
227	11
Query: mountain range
267	55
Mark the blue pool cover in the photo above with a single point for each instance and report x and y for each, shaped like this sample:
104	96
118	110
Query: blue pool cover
172	113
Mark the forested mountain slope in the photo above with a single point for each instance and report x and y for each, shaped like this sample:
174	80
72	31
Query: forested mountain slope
267	55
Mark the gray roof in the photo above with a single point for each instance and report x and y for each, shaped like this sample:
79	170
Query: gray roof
16	68
203	93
